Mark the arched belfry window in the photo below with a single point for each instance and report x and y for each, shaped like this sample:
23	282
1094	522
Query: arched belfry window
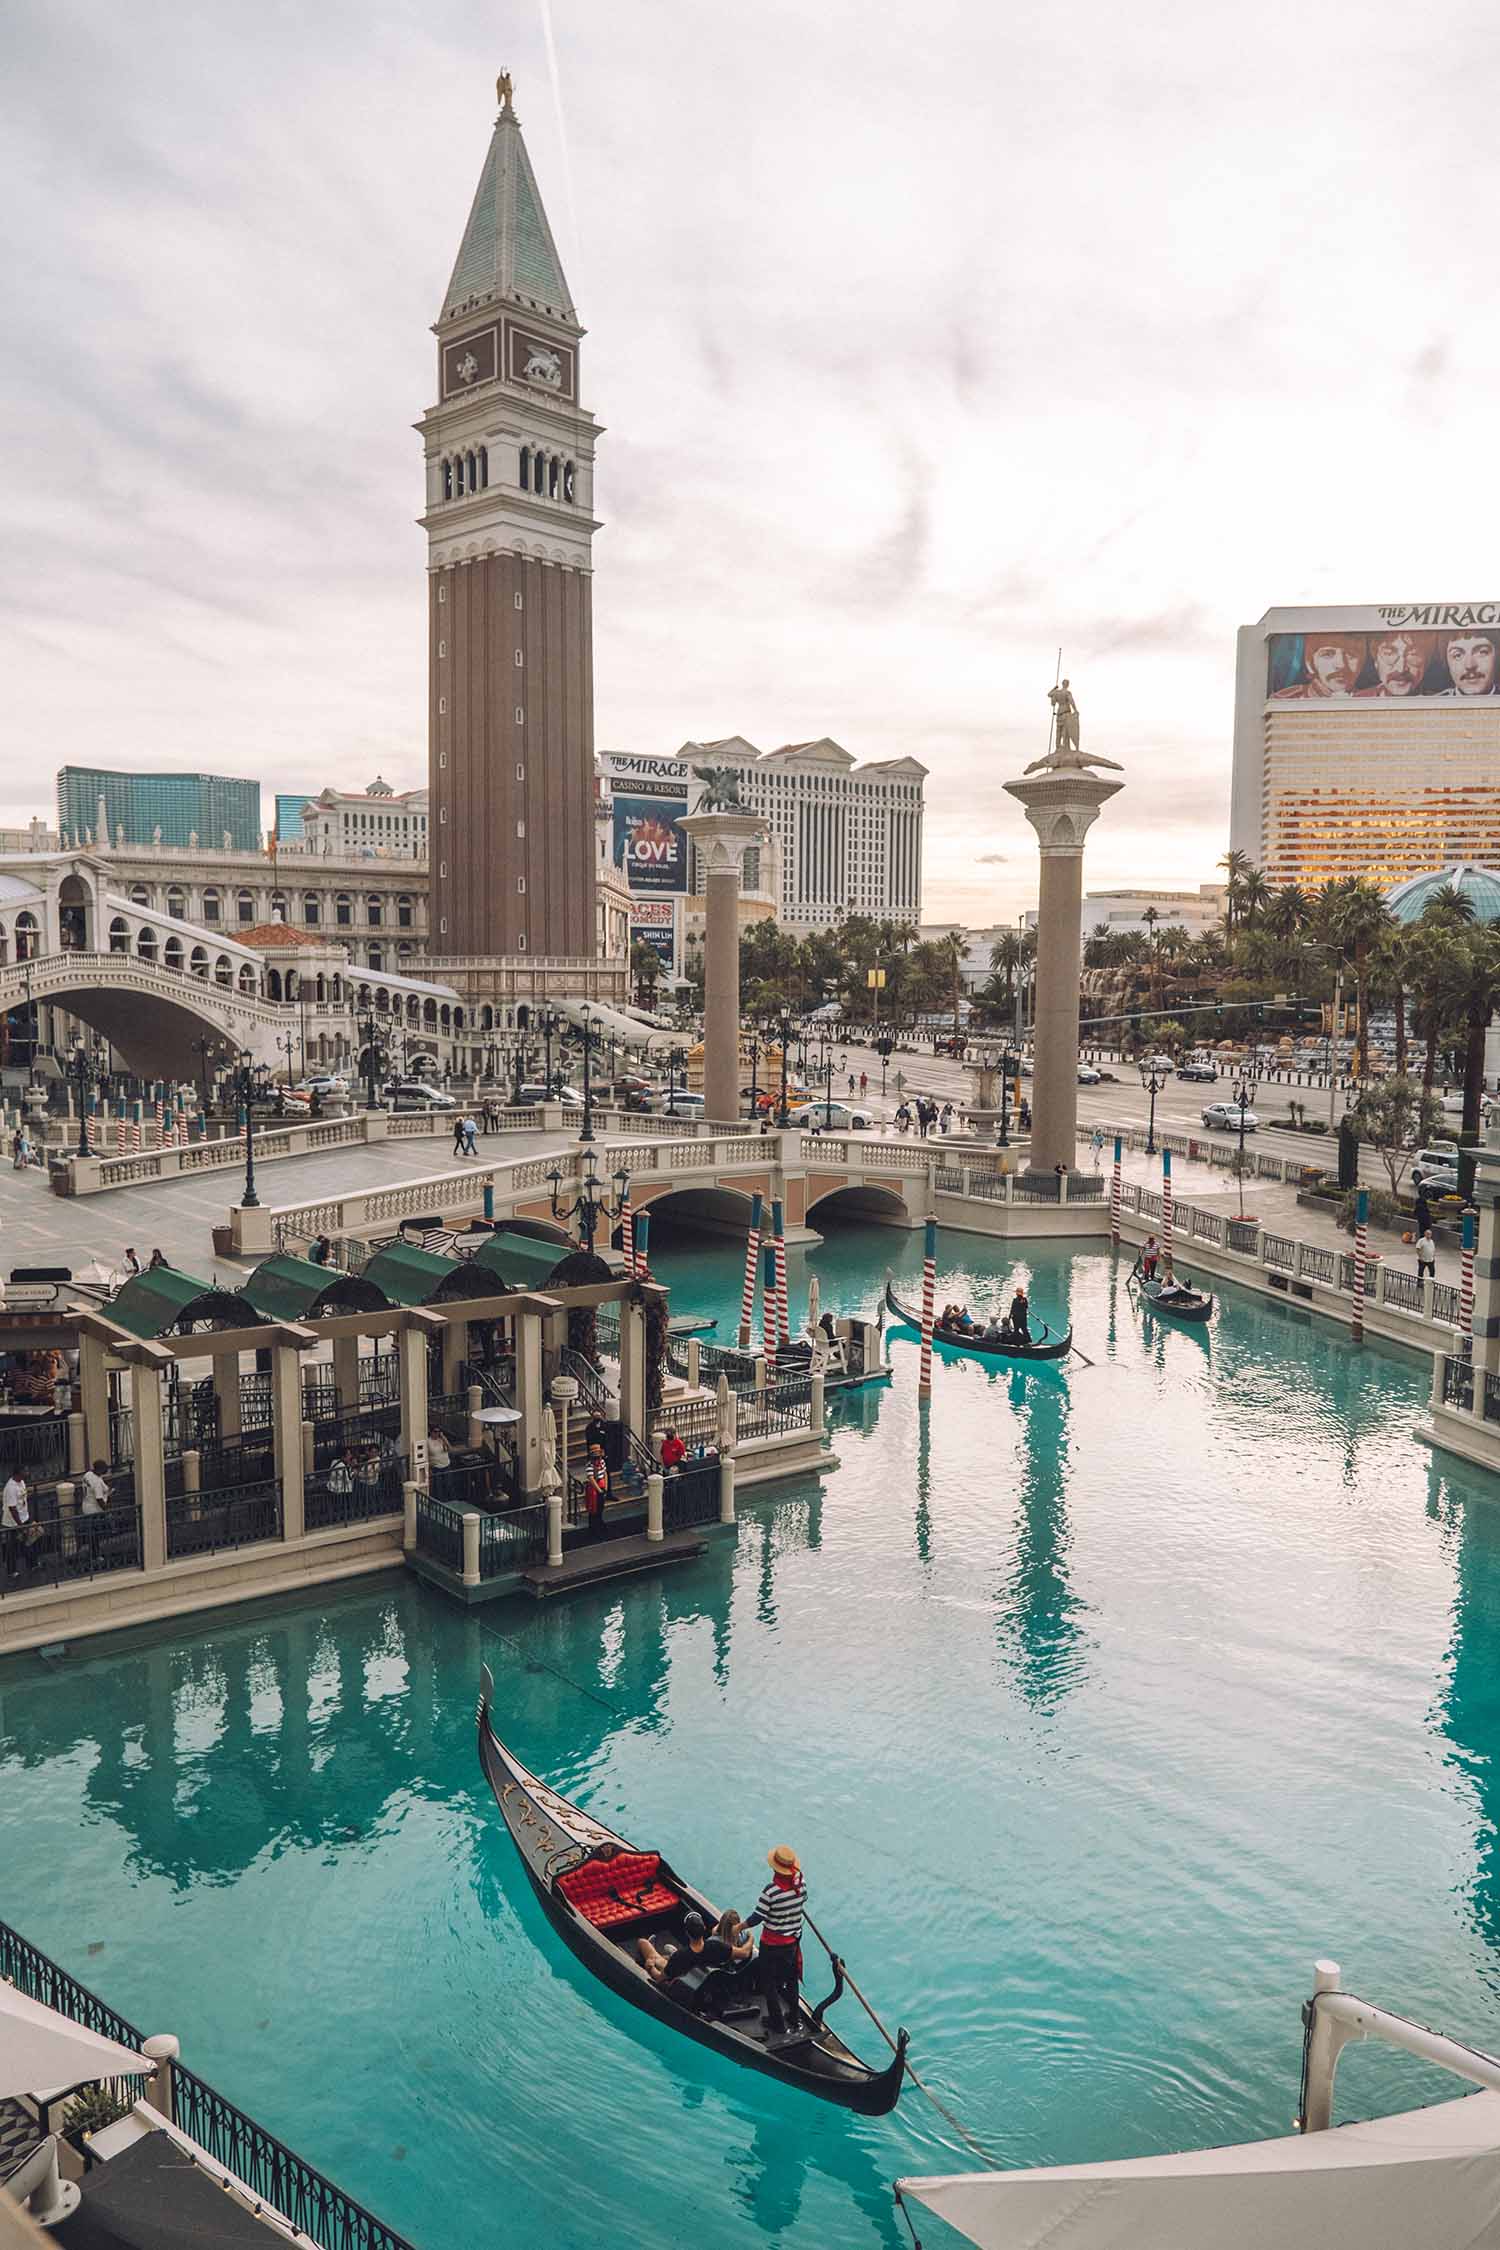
526	468
447	480
473	472
569	492
458	476
538	472
484	468
553	469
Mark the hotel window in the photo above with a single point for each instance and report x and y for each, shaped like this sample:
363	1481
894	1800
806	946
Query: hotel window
519	603
442	648
520	885
520	773
520	716
443	876
520	660
442	706
343	910
210	906
443	924
521	942
311	910
403	913
374	913
244	906
442	593
443	817
442	759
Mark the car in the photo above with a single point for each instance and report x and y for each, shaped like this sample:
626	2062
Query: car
1227	1117
1436	1155
680	1103
415	1093
1441	1179
532	1097
1087	1075
329	1083
834	1116
1199	1070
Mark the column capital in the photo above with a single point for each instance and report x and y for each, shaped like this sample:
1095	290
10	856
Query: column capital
1062	807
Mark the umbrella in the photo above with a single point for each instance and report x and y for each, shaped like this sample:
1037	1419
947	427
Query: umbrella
812	1303
549	1479
41	2050
727	1415
499	1416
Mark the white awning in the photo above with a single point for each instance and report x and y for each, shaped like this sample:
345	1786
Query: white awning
41	2050
610	1024
1428	2177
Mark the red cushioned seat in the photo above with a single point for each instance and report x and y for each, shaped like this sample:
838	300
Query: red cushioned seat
609	1891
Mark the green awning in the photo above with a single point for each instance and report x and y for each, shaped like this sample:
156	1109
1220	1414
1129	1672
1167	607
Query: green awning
523	1261
288	1288
155	1302
405	1275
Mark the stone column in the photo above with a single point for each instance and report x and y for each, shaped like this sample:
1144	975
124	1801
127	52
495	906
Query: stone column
1487	1266
722	838
633	1367
530	1400
227	1391
286	1433
93	1384
411	1384
150	1461
346	1370
1061	805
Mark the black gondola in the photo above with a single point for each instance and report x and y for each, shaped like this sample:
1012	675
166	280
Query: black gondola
601	1894
682	1325
1174	1298
1042	1346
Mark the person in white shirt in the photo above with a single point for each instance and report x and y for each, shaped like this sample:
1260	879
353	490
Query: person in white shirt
93	1490
15	1520
1426	1256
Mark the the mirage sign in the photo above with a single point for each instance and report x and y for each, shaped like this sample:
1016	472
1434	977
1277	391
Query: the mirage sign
649	799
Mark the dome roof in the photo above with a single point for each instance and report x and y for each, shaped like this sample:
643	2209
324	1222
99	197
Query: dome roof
1479	885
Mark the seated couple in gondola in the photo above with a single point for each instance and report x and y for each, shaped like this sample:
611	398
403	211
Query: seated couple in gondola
685	1970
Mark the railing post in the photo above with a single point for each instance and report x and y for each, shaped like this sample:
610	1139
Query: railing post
78	1459
1439	1380
471	1546
815	1412
693	1362
163	2049
1010	1187
409	1493
554	1528
192	1470
726	1488
150	1462
654	1487
286	1435
474	1400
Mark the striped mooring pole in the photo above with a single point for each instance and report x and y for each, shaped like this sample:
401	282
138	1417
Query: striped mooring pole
1114	1194
752	1260
768	1311
627	1233
778	1229
137	1124
1470	1244
1361	1240
929	1304
1166	1209
642	1246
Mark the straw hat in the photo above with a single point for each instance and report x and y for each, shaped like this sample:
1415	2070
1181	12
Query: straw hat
784	1860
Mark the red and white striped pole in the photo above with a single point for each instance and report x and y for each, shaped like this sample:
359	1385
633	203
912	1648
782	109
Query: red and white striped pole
778	1230
1361	1240
768	1312
1466	1274
1166	1210
1114	1194
627	1232
929	1305
642	1246
752	1260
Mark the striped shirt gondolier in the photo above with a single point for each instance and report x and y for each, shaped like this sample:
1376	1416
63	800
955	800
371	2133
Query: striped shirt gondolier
779	1910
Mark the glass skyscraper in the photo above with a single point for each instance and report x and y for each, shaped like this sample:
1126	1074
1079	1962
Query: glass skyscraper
181	805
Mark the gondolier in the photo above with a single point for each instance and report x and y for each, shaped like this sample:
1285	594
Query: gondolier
779	1911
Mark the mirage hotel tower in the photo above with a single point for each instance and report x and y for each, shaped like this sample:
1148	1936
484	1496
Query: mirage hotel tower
509	523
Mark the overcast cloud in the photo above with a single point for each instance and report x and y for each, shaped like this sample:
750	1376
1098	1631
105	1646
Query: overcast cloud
924	341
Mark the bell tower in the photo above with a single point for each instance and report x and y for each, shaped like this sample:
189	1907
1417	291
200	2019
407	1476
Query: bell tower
509	522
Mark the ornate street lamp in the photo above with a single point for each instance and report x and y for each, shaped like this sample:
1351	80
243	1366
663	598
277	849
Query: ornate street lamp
1246	1087
1010	1067
755	1052
370	1057
248	1084
85	1074
1153	1078
587	1014
784	1033
591	1203
549	1025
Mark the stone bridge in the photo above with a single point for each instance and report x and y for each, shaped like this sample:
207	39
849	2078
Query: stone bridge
150	1014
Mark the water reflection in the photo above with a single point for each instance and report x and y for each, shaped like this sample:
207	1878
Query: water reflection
1039	1618
1469	1711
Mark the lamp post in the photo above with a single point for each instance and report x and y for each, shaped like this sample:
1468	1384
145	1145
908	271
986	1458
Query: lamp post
1010	1067
875	980
587	1014
591	1202
549	1025
1153	1078
784	1032
84	1072
754	1051
249	1084
1336	1020
205	1047
516	1059
1246	1087
369	1059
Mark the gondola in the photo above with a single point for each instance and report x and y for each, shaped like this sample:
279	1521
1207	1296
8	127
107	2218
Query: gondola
1043	1346
682	1325
1175	1299
600	1894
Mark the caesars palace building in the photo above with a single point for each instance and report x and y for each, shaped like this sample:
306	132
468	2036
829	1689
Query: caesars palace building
1367	741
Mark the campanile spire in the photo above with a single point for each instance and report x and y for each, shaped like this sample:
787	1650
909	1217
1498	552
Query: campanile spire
509	522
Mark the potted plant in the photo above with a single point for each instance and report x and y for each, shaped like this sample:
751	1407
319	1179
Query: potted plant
90	2111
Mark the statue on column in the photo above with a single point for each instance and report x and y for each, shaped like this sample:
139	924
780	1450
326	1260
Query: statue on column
721	789
1065	755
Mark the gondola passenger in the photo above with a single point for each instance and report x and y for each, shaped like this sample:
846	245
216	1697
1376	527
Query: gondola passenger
697	1951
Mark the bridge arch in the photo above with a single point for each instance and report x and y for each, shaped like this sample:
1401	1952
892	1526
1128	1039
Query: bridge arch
719	1210
150	1016
861	1203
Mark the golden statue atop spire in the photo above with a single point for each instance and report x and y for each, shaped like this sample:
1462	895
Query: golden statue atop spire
503	91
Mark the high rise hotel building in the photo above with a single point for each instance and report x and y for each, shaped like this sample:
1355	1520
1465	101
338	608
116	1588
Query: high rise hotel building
509	520
1367	741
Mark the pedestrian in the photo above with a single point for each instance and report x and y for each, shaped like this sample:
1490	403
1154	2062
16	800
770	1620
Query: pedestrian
93	1502
15	1522
458	1132
19	1157
157	1258
946	1120
132	1262
1096	1143
1149	1257
673	1452
1422	1219
779	1910
596	1493
1426	1256
851	1082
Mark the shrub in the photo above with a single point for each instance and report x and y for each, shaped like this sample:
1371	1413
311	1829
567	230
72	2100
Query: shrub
1385	1210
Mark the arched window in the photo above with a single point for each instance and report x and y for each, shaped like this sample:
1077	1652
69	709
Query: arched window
273	984
403	912
382	1002
447	480
171	953
484	468
176	903
526	468
374	909
343	910
569	487
119	935
198	963
223	973
244	907
139	895
458	477
472	469
377	958
210	906
145	944
554	475
247	976
538	472
312	909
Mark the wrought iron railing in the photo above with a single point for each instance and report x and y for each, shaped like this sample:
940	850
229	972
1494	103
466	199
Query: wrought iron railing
58	1550
696	1420
1319	1265
1458	1384
205	1523
353	1431
1241	1234
229	1463
440	1532
374	1488
448	1411
1445	1302
1279	1250
691	1496
512	1539
1403	1290
38	1445
773	1414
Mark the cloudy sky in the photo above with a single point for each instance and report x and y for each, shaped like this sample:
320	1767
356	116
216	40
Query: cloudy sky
924	340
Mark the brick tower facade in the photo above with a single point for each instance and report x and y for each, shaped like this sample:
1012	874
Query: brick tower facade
509	523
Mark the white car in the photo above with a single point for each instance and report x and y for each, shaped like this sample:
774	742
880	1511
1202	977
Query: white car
1088	1076
834	1116
680	1103
415	1093
1225	1117
330	1084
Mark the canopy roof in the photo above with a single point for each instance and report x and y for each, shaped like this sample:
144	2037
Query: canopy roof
41	2049
1428	2176
161	1299
287	1288
405	1275
1479	885
523	1260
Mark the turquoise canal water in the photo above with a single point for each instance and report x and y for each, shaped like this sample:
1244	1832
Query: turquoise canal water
1097	1704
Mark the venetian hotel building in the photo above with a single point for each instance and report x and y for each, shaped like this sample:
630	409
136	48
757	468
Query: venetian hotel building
1367	741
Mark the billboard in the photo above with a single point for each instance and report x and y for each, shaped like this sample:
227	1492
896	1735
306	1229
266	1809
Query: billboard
649	800
1399	659
653	921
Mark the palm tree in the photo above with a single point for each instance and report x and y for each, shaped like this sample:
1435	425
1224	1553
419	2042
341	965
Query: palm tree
1236	866
1355	918
1254	891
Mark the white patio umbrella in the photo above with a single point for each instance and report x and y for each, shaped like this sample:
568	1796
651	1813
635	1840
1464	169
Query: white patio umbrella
549	1479
41	2050
728	1419
812	1304
499	1417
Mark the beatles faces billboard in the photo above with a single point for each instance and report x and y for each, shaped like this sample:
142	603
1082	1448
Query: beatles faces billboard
1417	663
650	800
